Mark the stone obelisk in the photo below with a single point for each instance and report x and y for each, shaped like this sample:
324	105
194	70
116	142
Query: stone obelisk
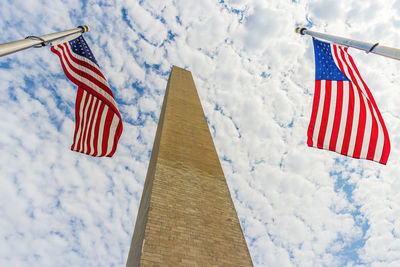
186	215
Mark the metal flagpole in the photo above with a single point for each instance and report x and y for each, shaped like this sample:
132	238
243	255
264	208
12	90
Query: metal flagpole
38	41
365	46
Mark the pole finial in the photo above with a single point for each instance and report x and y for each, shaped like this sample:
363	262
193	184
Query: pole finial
300	30
85	28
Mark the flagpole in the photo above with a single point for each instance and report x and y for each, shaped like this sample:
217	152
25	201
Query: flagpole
38	41
365	46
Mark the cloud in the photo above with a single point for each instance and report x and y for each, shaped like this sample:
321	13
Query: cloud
327	10
298	206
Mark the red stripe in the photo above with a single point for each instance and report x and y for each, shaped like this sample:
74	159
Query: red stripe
95	69
88	77
84	86
350	112
338	114
82	126
314	112
97	129
349	121
361	127
86	65
350	109
367	104
84	133
335	48
90	125
374	135
106	132
325	114
85	136
386	144
85	74
362	115
77	117
118	133
79	83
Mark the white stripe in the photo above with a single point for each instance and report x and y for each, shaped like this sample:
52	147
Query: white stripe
334	57
84	80
381	139
368	129
113	129
331	117
93	74
368	122
343	117
367	132
356	120
101	131
94	128
368	115
78	133
354	128
345	104
87	70
356	114
319	114
88	127
357	78
365	142
84	59
85	113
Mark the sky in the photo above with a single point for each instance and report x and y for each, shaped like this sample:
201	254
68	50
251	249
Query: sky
298	206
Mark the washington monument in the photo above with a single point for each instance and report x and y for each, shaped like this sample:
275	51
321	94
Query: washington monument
186	215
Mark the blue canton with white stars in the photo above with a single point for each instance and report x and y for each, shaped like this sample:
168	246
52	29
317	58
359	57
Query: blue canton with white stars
80	47
325	67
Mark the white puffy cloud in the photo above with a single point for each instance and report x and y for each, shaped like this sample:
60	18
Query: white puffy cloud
298	206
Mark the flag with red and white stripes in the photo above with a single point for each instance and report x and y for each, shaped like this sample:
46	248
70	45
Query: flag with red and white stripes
98	124
345	117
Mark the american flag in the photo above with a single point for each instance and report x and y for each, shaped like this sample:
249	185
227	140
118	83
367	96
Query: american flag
98	124
345	117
